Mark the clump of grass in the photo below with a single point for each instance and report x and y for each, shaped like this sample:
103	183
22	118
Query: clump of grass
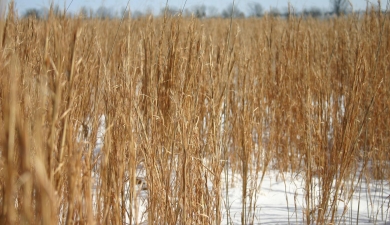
301	96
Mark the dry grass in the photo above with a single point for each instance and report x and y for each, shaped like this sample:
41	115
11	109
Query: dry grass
299	95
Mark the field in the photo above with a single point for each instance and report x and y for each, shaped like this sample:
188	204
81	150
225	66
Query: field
176	120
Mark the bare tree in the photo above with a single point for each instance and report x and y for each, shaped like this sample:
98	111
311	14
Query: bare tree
314	12
256	10
275	12
199	11
32	13
339	7
237	13
169	11
86	12
104	13
44	12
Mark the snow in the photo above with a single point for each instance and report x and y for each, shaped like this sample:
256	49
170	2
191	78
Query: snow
280	197
281	201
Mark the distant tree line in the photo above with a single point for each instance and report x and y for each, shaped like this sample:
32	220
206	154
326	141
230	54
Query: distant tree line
338	8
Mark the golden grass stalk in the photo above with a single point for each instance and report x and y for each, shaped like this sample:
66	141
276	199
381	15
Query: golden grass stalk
178	104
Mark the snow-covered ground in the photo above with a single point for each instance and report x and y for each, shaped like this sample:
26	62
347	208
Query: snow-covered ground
280	198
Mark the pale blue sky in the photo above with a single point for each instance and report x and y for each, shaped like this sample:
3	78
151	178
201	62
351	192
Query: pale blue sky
156	5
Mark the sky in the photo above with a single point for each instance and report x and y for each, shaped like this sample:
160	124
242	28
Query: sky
156	5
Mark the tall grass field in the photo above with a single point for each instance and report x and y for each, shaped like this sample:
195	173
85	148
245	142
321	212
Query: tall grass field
156	120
